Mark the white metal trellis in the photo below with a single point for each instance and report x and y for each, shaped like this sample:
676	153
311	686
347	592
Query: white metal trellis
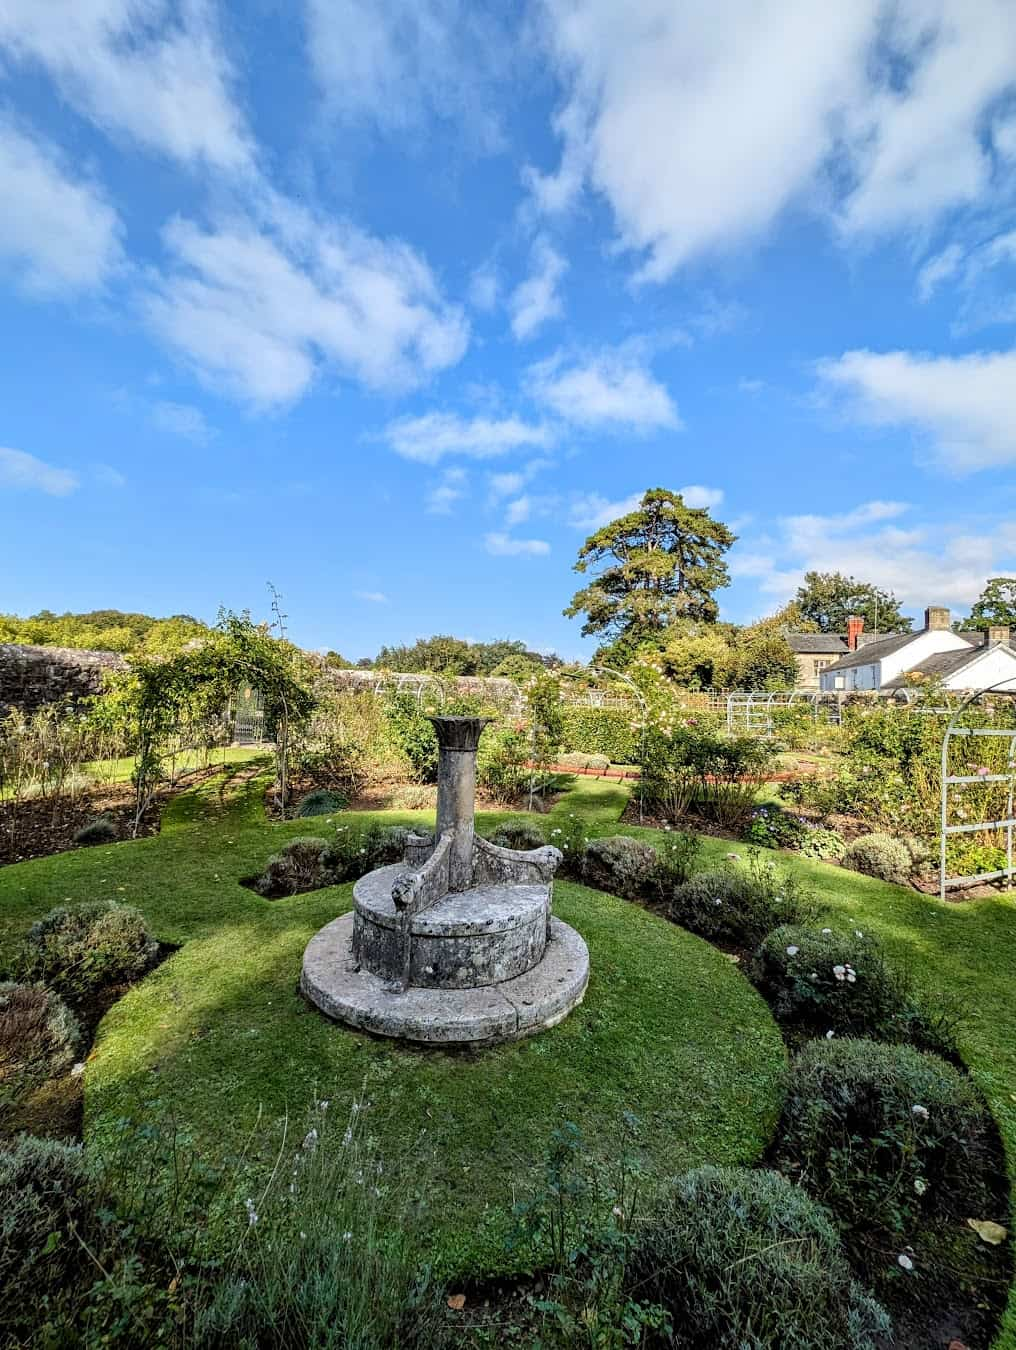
960	780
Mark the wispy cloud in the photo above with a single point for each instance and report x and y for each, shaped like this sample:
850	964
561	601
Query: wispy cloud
372	597
504	546
433	436
450	489
537	300
21	470
613	387
182	419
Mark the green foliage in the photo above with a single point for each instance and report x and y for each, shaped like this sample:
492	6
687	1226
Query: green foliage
85	949
995	606
698	655
823	844
45	1200
743	1260
414	735
101	830
451	656
828	599
520	834
357	850
771	826
611	732
103	630
880	855
763	659
39	1038
678	855
570	834
884	1134
580	1219
619	865
840	982
658	563
689	767
320	802
740	904
502	764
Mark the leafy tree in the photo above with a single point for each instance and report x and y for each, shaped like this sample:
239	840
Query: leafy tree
698	656
829	598
659	563
104	630
763	660
996	605
444	655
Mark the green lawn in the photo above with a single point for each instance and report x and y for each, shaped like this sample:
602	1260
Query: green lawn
669	1028
218	1034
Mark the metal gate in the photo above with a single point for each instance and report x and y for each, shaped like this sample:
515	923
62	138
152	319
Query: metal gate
945	882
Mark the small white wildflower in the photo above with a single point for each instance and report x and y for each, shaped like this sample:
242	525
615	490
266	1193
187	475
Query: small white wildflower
792	950
347	1138
310	1139
840	972
858	933
829	1035
347	1237
304	1236
904	1260
827	931
252	1217
920	1185
617	1212
851	977
919	1112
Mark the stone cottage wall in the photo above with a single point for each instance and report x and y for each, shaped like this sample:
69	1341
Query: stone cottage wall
31	677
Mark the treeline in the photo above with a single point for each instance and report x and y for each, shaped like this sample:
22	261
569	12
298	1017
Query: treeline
446	655
107	630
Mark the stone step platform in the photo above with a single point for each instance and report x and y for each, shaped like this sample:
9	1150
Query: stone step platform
465	940
518	1007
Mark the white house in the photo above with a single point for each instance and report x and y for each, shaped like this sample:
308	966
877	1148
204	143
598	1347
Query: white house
959	661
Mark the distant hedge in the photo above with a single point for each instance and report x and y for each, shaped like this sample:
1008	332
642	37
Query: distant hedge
602	731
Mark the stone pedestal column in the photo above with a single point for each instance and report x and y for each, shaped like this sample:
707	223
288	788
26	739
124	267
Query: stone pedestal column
458	738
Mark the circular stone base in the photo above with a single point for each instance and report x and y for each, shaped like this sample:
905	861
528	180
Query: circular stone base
520	1007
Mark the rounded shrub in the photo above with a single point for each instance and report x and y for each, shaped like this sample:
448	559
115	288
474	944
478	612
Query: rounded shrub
840	982
880	855
884	1133
739	904
101	830
321	802
295	868
744	1260
620	865
81	950
39	1037
519	834
45	1197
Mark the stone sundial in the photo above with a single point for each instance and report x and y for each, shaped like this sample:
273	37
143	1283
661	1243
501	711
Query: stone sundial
457	944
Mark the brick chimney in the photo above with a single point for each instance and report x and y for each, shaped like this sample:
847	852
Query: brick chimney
936	617
855	627
998	633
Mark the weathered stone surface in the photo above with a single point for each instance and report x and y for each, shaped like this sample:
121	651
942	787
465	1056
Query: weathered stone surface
465	940
31	677
518	1007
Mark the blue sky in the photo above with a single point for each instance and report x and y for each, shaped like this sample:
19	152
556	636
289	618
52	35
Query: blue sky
391	303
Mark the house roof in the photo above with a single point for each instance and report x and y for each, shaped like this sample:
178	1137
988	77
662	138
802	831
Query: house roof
821	644
943	664
871	652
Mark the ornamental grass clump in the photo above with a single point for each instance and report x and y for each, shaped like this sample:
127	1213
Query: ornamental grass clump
620	865
881	856
101	830
518	834
740	904
81	951
39	1038
839	983
884	1134
744	1260
321	802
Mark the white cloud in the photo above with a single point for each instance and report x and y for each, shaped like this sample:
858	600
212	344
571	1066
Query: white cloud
518	511
1004	136
429	438
702	124
108	476
750	386
611	387
148	70
56	226
504	546
181	419
21	470
265	310
964	407
591	510
508	484
446	492
938	269
372	597
922	565
484	288
536	300
392	63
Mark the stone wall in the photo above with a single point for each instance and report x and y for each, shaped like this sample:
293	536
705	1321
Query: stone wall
31	677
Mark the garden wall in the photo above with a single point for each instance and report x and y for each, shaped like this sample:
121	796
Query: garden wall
31	677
